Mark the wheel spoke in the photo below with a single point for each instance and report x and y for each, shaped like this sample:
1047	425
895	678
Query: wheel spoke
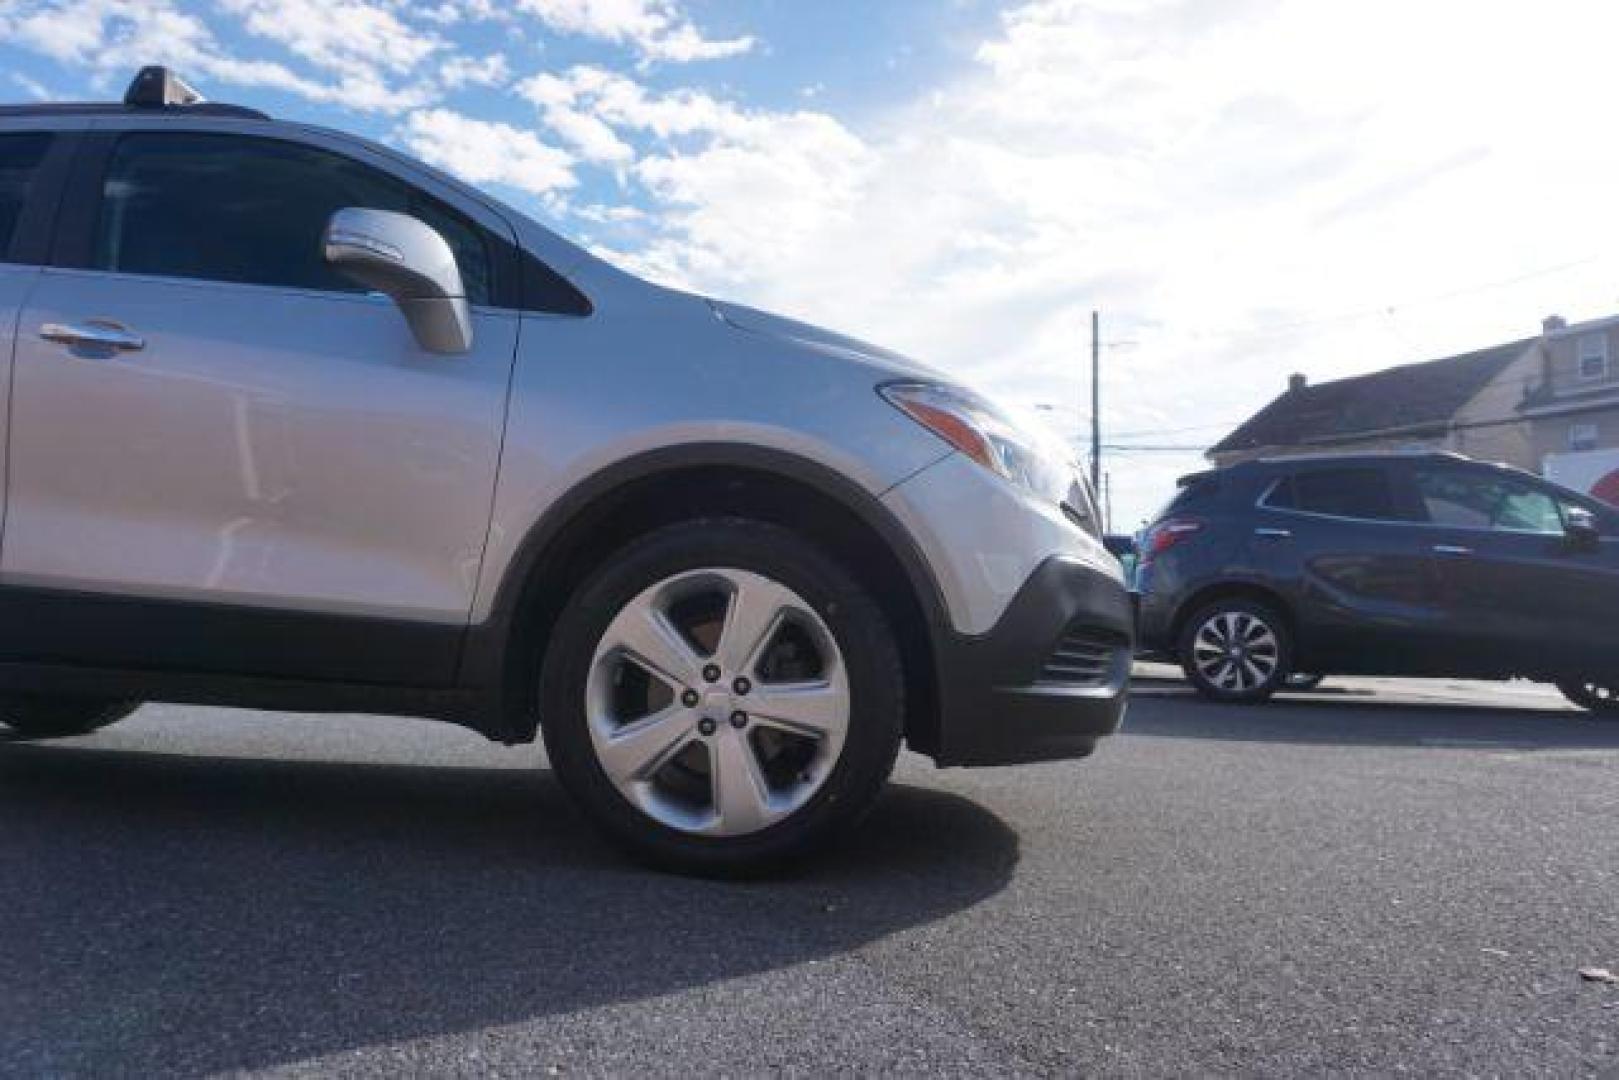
751	618
813	708
645	635
1256	676
741	798
639	749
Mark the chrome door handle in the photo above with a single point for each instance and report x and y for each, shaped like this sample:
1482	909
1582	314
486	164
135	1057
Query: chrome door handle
96	334
1274	534
1451	549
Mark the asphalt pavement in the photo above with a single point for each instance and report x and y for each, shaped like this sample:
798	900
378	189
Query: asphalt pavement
1380	877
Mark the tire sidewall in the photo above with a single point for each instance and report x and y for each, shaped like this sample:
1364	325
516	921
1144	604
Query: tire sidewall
870	658
1253	608
1575	691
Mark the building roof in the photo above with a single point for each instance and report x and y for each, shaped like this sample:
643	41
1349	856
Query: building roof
1411	399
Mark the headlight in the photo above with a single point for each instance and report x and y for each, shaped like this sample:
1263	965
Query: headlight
984	433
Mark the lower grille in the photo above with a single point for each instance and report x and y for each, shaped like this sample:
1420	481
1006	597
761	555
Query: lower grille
1082	657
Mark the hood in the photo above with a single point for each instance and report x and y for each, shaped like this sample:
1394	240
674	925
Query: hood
752	321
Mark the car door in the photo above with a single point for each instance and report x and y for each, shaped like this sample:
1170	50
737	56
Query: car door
1344	536
224	456
1523	597
33	164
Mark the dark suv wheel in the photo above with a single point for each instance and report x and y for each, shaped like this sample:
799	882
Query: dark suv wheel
39	717
722	697
1598	698
1236	650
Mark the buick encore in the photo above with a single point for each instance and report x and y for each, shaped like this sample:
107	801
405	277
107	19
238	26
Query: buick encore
1404	564
296	422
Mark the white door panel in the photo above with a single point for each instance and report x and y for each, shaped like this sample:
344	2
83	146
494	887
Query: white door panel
268	446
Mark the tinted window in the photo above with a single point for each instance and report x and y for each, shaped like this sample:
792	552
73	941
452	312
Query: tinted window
1349	492
20	156
1481	501
231	208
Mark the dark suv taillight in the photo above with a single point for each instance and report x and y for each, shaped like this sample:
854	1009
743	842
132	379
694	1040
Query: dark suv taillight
1166	534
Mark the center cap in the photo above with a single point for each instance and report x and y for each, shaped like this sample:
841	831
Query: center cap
716	701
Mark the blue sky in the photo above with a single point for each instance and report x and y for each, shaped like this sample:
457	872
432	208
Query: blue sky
1245	188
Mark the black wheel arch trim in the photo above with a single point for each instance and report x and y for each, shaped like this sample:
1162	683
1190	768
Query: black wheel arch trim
488	659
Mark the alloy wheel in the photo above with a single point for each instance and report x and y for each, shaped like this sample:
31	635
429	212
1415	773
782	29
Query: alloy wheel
717	702
1236	651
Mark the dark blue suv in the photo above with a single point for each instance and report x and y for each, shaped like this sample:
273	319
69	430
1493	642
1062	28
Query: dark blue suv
1413	565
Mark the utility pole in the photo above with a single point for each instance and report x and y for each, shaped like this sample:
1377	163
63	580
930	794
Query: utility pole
1096	402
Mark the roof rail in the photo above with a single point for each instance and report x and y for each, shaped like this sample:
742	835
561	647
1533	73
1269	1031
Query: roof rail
1382	452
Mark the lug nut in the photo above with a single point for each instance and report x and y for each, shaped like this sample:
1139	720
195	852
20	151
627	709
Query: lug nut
742	686
707	726
739	719
690	699
711	673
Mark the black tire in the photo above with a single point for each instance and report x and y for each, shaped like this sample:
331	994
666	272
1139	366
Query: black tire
1600	699
1238	609
36	716
871	661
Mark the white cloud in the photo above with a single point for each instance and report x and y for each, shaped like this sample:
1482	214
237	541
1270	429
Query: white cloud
338	35
483	152
560	105
657	29
460	71
112	38
32	87
704	159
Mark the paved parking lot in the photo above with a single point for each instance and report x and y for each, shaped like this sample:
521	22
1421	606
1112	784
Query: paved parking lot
1380	876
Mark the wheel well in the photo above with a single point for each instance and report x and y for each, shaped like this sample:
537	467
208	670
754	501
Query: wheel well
594	534
1231	590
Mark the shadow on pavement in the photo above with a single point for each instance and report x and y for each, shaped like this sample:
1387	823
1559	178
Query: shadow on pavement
1350	718
180	914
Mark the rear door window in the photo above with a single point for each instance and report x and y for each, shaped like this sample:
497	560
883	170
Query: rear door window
1364	493
20	157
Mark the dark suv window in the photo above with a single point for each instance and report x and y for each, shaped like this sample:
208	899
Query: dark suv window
241	209
1362	492
1475	500
20	156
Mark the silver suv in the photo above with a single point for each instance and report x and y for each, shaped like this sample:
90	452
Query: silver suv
296	422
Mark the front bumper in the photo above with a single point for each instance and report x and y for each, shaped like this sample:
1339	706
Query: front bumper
1047	680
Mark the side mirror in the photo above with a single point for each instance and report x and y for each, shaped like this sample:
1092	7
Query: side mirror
409	261
1580	526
